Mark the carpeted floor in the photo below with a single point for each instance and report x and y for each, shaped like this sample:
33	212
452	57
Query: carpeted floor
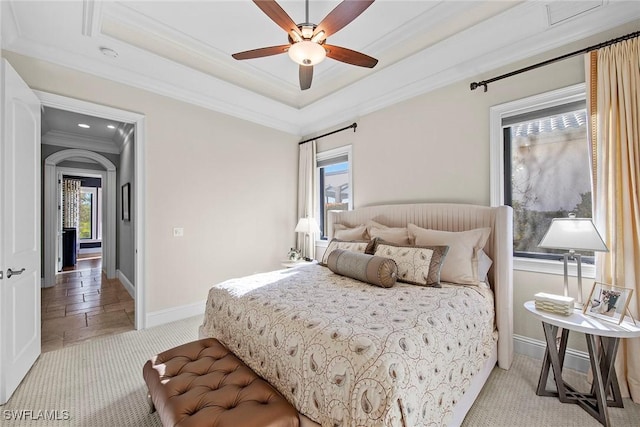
99	383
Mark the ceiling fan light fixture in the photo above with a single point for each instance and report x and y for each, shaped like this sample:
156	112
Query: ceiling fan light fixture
295	36
307	31
307	53
318	38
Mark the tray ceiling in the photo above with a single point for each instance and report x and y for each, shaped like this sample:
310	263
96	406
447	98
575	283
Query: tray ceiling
183	49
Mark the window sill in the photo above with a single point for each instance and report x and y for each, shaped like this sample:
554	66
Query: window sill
552	267
322	243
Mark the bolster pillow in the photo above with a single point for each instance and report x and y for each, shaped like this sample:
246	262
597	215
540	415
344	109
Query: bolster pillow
371	269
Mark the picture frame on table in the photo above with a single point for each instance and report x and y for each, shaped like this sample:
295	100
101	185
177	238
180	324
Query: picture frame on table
608	302
126	202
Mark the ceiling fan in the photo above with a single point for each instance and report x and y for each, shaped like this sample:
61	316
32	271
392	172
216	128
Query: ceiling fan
307	44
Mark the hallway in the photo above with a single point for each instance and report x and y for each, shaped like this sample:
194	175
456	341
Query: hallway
82	305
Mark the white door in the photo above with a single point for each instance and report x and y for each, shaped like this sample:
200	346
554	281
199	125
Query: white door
19	231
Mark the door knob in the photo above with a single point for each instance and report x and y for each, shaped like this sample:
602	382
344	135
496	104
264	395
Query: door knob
11	272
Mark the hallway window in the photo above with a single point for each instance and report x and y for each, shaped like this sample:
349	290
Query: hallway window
89	225
86	214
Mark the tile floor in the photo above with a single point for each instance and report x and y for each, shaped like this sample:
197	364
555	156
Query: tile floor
82	305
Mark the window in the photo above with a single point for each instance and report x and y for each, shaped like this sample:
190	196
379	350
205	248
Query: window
86	213
541	165
90	216
333	175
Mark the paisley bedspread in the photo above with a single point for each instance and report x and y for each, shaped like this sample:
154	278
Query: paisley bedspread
346	353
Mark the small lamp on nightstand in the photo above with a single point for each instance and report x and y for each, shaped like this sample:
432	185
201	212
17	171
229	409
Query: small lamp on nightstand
573	234
307	225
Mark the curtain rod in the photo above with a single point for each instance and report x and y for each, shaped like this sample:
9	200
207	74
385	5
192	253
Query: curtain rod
484	83
353	125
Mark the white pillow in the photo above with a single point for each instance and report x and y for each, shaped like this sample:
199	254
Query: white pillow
343	232
461	264
397	235
484	264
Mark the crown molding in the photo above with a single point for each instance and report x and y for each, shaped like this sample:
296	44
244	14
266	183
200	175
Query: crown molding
90	17
196	88
9	24
69	140
118	21
520	32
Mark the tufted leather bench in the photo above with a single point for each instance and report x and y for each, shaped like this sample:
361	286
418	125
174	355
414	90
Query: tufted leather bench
202	383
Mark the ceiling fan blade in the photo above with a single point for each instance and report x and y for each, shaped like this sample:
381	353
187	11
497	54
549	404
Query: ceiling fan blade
306	75
263	51
349	56
277	15
342	15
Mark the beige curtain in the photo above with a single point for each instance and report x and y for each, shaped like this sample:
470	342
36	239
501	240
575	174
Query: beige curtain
70	203
306	194
613	82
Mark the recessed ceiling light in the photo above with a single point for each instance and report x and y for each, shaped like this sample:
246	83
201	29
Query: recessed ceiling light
83	125
107	51
111	126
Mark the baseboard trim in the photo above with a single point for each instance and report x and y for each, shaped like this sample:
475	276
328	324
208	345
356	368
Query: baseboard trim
161	317
574	359
127	284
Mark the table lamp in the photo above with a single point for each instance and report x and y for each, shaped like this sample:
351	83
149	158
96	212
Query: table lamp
573	234
307	225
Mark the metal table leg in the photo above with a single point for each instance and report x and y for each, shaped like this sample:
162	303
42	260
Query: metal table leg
604	375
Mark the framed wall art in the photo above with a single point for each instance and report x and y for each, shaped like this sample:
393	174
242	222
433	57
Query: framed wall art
126	202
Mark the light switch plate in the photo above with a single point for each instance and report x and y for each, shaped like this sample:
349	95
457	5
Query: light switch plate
178	232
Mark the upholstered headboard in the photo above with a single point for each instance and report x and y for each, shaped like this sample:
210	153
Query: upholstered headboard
457	217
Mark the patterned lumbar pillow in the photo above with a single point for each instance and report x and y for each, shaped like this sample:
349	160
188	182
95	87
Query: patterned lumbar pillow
359	246
417	265
367	268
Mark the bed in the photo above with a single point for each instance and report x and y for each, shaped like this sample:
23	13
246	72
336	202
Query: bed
346	353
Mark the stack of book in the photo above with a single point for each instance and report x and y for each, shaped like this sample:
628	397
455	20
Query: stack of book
557	304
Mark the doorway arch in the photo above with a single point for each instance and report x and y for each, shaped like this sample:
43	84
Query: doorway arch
51	214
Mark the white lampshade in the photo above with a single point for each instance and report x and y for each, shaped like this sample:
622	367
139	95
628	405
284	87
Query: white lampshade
307	53
307	225
572	233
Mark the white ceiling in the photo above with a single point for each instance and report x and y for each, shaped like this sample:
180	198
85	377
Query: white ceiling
183	49
61	128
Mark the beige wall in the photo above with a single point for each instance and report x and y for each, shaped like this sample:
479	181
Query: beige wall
435	147
230	183
223	179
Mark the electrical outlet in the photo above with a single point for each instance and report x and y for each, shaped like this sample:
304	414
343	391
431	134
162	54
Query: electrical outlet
178	232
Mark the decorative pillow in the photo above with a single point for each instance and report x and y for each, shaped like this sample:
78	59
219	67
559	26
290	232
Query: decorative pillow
398	235
418	265
461	265
352	246
484	264
367	268
343	232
